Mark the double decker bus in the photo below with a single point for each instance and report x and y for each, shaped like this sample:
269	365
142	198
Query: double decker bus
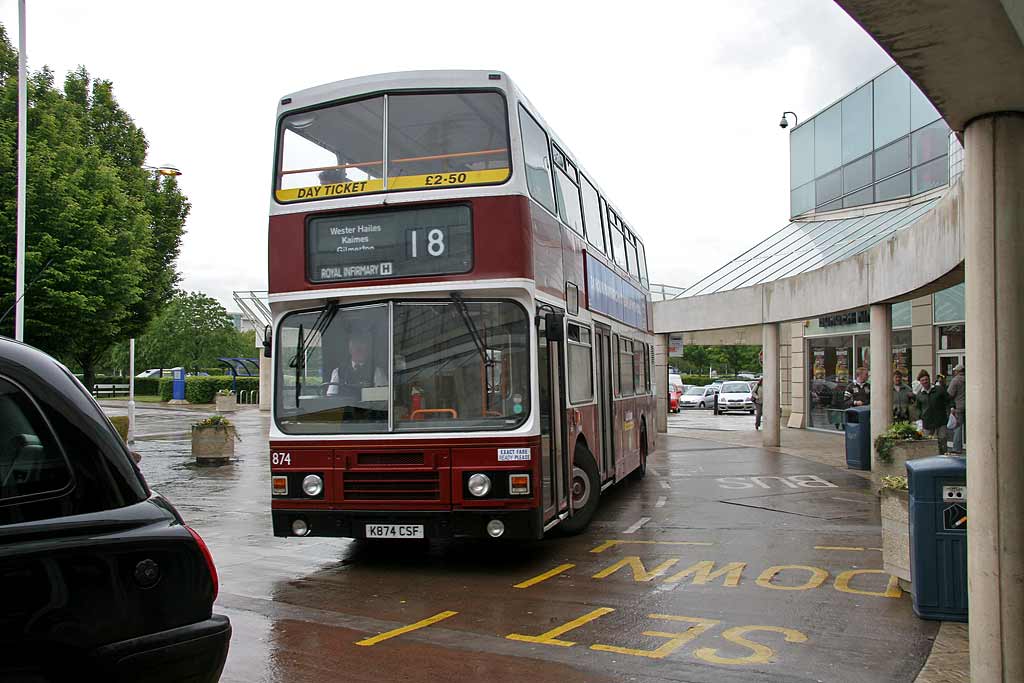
461	333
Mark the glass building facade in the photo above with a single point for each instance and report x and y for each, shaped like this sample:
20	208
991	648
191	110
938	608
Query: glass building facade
883	141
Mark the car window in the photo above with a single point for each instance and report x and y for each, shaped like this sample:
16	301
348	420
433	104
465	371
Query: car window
31	461
735	388
695	391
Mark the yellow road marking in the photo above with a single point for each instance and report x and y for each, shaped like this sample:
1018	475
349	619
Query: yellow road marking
545	576
892	590
817	577
406	629
675	640
705	571
837	547
762	654
605	545
551	637
640	572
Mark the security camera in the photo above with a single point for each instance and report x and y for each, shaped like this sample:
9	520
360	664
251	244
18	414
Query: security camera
783	123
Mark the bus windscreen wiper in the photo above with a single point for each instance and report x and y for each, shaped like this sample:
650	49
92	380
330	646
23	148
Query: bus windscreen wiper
298	361
467	320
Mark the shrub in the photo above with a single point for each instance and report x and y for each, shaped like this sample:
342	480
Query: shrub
897	431
203	389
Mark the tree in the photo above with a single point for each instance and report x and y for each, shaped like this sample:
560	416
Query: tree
192	331
102	233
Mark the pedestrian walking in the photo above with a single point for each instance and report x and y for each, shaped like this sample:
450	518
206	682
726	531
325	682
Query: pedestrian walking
755	396
902	398
932	402
957	392
858	393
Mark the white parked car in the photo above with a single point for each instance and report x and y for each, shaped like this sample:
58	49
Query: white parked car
735	396
698	397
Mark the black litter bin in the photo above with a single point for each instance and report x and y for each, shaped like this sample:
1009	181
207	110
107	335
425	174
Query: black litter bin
938	537
858	438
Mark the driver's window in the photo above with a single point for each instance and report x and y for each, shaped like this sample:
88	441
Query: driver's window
31	461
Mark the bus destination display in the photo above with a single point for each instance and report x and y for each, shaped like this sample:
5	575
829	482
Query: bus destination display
430	241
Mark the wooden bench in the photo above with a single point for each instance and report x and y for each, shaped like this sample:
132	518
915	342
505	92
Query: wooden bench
101	390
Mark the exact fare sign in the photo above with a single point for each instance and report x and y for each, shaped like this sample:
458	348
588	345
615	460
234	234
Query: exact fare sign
431	241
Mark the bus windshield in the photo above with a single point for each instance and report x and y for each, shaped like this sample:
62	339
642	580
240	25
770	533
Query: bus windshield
453	365
432	140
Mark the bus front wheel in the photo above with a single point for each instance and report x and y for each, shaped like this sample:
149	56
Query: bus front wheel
584	492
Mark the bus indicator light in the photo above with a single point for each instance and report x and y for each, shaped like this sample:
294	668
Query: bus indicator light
280	486
519	484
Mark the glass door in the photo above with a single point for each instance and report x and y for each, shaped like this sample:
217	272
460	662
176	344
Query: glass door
554	470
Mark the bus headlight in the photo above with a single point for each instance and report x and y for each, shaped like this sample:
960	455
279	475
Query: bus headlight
479	485
312	485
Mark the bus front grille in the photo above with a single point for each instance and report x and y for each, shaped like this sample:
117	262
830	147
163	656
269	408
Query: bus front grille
390	485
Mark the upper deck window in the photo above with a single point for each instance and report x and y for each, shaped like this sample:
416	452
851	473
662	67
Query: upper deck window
432	140
333	151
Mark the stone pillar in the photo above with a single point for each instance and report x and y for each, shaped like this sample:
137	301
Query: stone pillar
881	372
770	415
661	380
266	367
994	221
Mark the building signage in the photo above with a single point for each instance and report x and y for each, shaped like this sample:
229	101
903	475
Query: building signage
613	295
675	345
429	241
849	318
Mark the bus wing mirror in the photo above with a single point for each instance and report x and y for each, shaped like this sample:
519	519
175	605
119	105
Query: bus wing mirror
554	327
267	341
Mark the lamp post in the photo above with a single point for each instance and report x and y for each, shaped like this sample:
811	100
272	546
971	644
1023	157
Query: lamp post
19	267
167	171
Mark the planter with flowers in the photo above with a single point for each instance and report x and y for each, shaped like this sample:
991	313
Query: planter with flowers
213	440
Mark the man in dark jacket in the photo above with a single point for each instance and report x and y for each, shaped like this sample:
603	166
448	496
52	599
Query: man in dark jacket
932	401
902	398
859	391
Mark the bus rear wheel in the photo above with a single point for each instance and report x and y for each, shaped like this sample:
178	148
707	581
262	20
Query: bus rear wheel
584	492
641	469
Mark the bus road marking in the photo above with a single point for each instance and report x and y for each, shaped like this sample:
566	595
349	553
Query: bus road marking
545	576
661	502
653	471
423	623
675	640
635	526
605	545
664	484
551	637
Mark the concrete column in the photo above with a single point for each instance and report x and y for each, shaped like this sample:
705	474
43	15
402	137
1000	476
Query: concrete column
881	372
994	217
797	377
770	415
266	367
661	380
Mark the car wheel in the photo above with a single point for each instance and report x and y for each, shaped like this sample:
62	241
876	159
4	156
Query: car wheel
584	492
702	406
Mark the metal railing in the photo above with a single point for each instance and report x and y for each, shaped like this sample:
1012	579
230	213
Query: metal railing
665	292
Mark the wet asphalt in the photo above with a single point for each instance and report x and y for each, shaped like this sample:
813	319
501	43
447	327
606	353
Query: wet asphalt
726	563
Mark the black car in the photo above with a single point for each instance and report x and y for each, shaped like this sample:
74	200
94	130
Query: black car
100	579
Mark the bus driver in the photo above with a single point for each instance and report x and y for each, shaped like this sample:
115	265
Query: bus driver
359	372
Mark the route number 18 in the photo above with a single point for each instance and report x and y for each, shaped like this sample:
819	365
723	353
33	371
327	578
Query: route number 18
435	242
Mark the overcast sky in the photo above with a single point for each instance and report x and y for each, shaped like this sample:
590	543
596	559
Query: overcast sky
672	107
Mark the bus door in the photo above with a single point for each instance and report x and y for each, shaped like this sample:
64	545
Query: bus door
554	461
604	400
